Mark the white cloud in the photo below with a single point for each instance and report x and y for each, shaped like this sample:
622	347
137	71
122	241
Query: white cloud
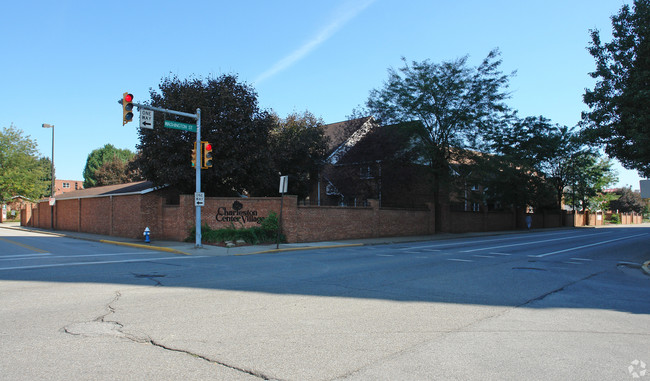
352	9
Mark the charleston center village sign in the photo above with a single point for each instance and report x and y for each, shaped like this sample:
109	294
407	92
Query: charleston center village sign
237	215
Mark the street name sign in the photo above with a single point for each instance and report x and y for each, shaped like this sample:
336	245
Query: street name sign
180	126
146	119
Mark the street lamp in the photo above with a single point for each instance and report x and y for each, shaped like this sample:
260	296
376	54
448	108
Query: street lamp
45	125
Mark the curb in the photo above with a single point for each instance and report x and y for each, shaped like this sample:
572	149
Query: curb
141	246
273	251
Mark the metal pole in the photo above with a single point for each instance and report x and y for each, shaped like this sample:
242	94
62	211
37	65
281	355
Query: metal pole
52	190
198	176
277	242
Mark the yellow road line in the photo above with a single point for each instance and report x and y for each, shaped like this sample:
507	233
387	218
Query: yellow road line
141	246
25	246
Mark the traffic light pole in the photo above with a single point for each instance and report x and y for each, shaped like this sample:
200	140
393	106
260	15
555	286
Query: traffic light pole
196	117
198	178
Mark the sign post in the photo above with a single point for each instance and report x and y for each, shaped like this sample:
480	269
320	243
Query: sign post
284	184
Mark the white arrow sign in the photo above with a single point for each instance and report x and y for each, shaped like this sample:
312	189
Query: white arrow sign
146	119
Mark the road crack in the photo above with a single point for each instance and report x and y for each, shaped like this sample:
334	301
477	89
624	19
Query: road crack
103	326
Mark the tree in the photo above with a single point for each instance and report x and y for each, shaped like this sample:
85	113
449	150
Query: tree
627	202
619	115
298	147
230	120
101	156
22	171
588	175
537	153
116	171
453	102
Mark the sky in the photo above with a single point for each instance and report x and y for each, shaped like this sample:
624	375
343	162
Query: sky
67	63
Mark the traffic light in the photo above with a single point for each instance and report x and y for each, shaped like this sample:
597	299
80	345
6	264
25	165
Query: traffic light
206	153
194	156
127	108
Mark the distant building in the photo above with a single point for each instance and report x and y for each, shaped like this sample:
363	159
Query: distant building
65	186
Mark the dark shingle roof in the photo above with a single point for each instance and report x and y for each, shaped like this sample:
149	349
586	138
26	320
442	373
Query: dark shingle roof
139	187
339	132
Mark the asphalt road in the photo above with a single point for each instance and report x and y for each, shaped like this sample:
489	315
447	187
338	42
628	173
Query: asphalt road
541	305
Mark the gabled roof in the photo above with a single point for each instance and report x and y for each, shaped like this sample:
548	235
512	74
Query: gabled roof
338	133
380	143
140	187
345	135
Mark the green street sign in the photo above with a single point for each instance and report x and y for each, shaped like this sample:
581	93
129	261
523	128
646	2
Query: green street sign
180	126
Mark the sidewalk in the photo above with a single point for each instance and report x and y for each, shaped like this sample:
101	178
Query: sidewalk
189	248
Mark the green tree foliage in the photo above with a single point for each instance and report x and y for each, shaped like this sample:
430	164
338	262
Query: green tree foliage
298	147
22	172
534	154
588	174
104	162
627	202
116	171
453	102
619	115
230	120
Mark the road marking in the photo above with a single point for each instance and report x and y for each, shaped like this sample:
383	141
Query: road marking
482	256
464	243
459	260
32	248
97	263
581	259
574	263
590	245
23	256
504	254
518	244
50	256
385	255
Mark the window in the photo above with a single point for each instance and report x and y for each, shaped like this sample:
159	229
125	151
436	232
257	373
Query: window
66	185
365	172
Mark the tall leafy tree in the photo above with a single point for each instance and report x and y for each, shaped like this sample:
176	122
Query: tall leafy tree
628	201
22	172
100	157
116	171
297	146
230	119
619	115
588	175
536	153
454	103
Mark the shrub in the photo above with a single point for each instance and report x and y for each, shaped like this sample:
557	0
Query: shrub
265	233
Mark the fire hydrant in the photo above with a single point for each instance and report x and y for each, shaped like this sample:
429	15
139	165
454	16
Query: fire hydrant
146	235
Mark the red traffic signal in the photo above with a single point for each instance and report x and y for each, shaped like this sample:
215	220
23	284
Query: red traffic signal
206	153
127	108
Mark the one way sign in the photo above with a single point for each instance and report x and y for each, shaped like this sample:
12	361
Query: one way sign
146	119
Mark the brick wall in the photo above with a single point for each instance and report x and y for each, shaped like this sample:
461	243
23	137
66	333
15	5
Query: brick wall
129	215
